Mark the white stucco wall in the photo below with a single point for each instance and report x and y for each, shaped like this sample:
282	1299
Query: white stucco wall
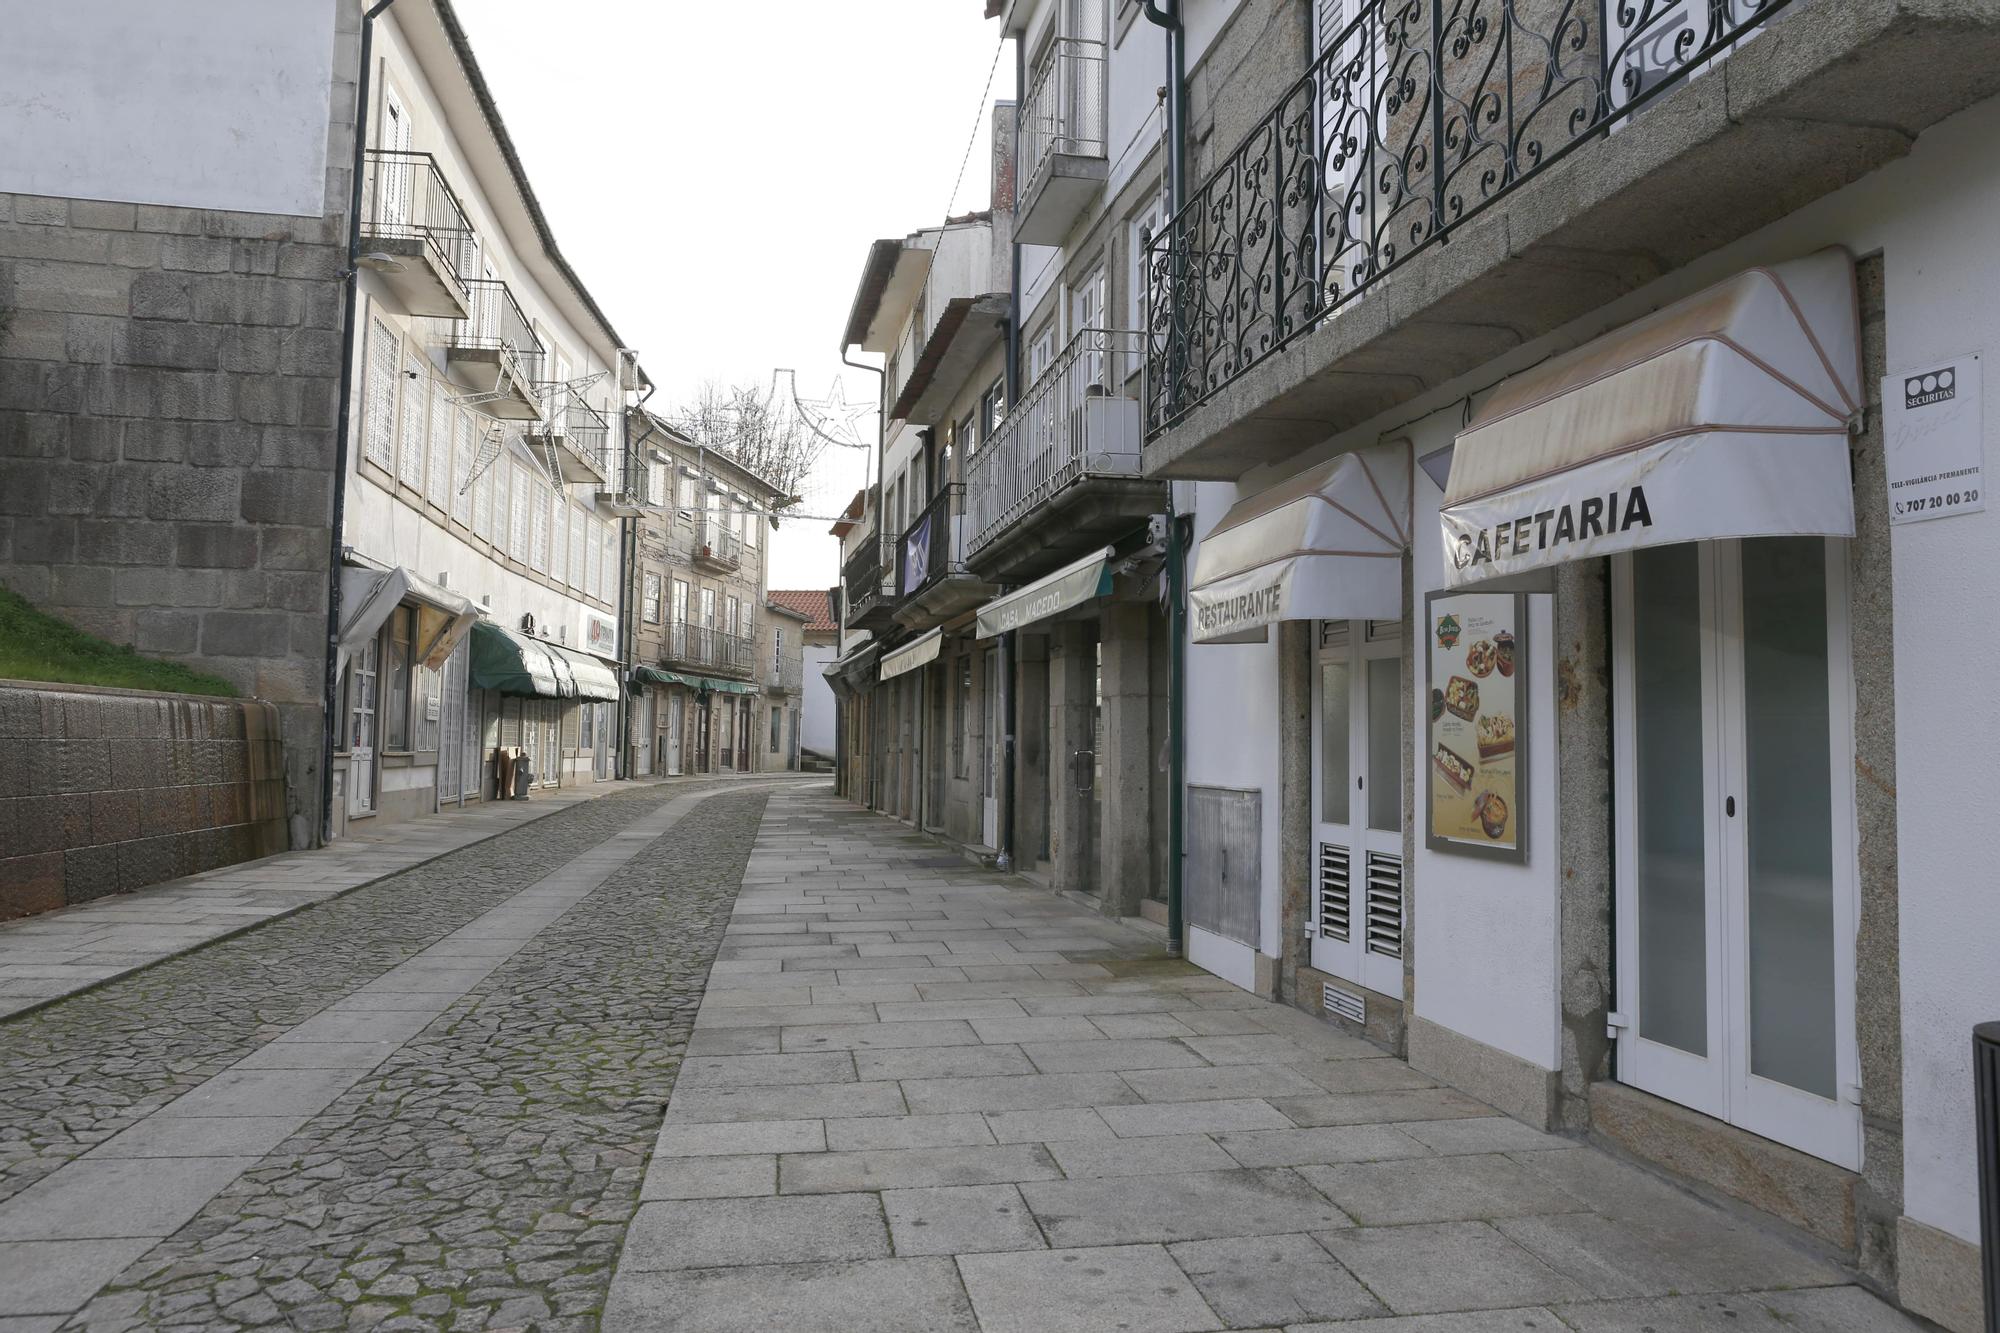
816	701
223	104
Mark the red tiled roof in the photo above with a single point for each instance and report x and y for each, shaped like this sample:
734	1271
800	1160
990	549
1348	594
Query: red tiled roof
812	603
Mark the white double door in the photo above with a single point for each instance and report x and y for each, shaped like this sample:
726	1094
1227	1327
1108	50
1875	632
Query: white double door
1736	882
1358	803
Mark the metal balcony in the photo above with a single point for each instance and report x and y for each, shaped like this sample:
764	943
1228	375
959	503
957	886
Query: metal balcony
496	353
932	582
868	585
1060	141
1062	473
707	648
715	546
574	441
1666	130
631	486
414	233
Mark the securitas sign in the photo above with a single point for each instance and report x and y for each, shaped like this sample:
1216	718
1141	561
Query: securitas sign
1932	386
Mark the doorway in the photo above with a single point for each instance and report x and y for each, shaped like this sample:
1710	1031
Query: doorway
361	732
670	738
1358	803
1736	886
990	750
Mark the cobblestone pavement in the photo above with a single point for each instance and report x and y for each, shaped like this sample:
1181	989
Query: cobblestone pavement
82	1070
923	1097
504	1059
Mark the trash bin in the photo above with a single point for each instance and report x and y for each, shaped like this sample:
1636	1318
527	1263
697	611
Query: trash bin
524	777
1986	1095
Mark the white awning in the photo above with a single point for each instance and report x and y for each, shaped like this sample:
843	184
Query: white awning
1723	415
919	651
1051	595
1326	544
367	596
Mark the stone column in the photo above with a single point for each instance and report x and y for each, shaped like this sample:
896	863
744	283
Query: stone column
1031	748
1070	682
1295	822
1126	858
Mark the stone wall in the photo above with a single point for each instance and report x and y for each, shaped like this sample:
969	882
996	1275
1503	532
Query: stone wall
169	384
105	791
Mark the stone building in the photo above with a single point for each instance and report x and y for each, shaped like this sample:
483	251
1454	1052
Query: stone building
819	645
296	387
699	584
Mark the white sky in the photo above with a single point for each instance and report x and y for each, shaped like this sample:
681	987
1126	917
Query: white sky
716	169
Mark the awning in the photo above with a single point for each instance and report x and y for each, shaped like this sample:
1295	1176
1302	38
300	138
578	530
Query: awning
648	675
515	664
1069	587
367	596
920	651
852	669
1326	544
1724	415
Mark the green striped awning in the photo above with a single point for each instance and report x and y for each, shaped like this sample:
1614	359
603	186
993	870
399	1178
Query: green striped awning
647	675
515	664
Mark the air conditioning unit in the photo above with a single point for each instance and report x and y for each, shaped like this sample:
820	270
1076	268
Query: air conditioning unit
629	379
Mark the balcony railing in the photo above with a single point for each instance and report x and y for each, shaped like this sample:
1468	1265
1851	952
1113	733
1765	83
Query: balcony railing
1064	110
715	544
933	547
689	644
1417	117
405	197
1075	421
496	323
865	579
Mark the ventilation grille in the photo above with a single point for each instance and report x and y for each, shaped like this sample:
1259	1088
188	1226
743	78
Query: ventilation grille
1385	905
1383	631
1333	633
1345	1004
1335	908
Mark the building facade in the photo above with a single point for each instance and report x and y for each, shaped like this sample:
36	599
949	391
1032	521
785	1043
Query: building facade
1582	508
705	665
819	644
299	390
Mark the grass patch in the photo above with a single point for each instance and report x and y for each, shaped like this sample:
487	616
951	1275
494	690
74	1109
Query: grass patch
37	646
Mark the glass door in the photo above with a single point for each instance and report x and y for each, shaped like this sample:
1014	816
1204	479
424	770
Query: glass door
1358	803
990	752
1736	882
671	739
361	732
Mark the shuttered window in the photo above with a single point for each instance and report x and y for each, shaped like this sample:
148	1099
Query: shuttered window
608	585
378	438
559	540
443	442
517	527
462	453
578	534
416	419
482	504
538	527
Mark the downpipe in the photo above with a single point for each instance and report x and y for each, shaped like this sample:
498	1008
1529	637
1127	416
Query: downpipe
1167	14
1009	642
349	302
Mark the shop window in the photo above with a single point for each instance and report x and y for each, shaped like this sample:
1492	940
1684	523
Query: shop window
396	682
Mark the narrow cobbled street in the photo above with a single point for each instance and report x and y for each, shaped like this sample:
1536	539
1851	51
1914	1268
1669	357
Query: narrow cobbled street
899	1093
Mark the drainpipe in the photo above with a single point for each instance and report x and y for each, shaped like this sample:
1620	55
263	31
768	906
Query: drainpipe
1167	14
628	638
1009	642
349	301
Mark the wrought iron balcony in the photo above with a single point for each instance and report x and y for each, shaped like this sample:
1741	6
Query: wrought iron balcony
1062	472
574	441
715	546
414	232
932	580
496	351
1420	115
869	584
1060	140
707	648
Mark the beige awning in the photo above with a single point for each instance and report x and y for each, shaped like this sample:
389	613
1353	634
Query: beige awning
920	651
1051	595
1723	415
1326	544
367	596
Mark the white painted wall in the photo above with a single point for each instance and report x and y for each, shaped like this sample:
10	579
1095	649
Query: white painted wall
817	704
223	104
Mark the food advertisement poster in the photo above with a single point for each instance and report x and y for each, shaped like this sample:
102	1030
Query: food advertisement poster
1476	744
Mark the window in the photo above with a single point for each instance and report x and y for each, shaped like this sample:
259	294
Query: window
482	504
1140	234
578	534
687	495
463	451
656	483
708	607
416	417
729	621
378	439
751	520
592	554
680	607
444	447
607	587
538	527
964	436
396	682
517	531
650	603
559	541
992	410
778	648
430	692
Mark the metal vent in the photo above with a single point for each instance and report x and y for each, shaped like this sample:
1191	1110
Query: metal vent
1384	631
1225	841
1345	1004
1333	633
1385	905
1335	908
